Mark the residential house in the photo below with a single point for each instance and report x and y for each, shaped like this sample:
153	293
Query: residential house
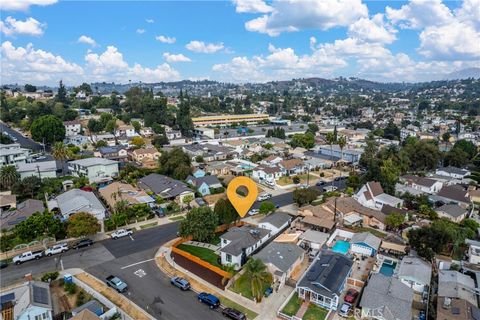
272	159
7	201
473	252
349	155
267	173
386	298
454	286
292	166
125	130
475	195
199	173
311	239
97	170
281	259
109	138
93	306
72	128
453	195
42	170
238	243
205	185
218	168
9	219
13	154
365	244
116	153
317	218
118	191
423	184
146	132
453	172
371	195
415	273
76	200
454	309
148	157
28	301
325	279
275	222
85	315
173	134
453	212
77	140
166	187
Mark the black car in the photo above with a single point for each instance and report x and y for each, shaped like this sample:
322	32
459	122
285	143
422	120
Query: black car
320	183
233	314
3	264
82	243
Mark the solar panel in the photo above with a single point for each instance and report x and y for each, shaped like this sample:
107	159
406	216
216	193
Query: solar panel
7	298
455	310
40	295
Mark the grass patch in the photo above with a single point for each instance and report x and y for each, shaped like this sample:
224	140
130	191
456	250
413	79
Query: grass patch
315	313
291	308
149	225
242	286
229	303
372	231
216	239
176	218
203	253
283	181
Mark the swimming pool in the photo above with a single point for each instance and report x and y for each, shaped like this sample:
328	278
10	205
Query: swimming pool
341	246
388	267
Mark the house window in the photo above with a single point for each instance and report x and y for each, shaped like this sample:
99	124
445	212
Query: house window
39	317
328	301
224	241
45	315
228	257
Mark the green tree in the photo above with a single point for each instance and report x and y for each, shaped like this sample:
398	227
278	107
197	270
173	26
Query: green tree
28	186
467	146
4	139
61	153
389	175
354	181
257	272
94	125
305	196
137	126
456	157
394	220
138	142
62	95
342	142
200	224
39	225
184	120
266	207
8	176
391	131
175	163
331	139
82	224
48	129
313	128
30	88
225	211
423	155
306	140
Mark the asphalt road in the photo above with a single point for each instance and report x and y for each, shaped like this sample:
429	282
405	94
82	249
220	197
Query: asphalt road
23	141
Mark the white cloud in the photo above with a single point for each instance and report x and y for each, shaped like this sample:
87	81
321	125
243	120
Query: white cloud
165	39
27	64
140	31
251	6
175	57
149	20
30	26
313	42
291	16
372	30
202	47
418	14
110	66
22	5
87	40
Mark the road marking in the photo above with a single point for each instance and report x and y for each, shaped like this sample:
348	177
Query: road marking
131	238
140	273
137	263
61	264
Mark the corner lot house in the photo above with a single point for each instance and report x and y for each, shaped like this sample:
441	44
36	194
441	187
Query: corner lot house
97	170
415	273
325	279
275	222
386	298
371	195
30	301
238	243
281	259
165	187
365	244
76	200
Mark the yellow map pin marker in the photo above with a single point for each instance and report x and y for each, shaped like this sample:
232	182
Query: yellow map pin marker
242	204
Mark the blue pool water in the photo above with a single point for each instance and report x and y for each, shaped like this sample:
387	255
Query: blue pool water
341	246
388	267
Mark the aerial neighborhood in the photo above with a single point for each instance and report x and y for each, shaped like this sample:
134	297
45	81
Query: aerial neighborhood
240	159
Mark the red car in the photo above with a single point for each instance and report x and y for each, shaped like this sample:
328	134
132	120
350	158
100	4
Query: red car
351	296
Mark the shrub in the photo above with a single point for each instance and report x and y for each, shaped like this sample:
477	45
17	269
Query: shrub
50	276
70	287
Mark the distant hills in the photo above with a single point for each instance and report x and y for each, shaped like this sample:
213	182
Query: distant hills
463	74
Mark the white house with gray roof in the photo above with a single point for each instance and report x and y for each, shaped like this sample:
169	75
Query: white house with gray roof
44	169
238	243
386	298
95	169
275	222
453	212
456	285
29	301
415	273
453	172
365	244
166	187
76	200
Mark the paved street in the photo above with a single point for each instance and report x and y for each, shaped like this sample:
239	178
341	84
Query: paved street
23	141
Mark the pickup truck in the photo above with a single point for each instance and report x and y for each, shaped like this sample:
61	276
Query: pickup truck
121	233
58	248
116	284
27	256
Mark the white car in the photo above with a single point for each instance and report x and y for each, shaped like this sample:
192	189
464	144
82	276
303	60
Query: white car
253	212
264	196
329	188
121	233
56	249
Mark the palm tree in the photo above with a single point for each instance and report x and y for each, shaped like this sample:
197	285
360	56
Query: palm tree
61	153
8	176
342	142
257	272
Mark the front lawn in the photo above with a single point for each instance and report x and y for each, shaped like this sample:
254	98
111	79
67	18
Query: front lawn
242	286
315	313
203	253
291	308
283	181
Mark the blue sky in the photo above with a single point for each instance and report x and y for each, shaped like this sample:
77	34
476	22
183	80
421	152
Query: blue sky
44	41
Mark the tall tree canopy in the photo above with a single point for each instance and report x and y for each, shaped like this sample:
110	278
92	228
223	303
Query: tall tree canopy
47	128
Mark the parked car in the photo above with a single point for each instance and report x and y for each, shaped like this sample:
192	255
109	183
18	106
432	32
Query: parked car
3	264
264	196
304	186
181	283
268	292
58	248
351	296
27	256
116	283
159	212
320	183
252	212
120	233
329	188
82	243
233	314
345	310
209	299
